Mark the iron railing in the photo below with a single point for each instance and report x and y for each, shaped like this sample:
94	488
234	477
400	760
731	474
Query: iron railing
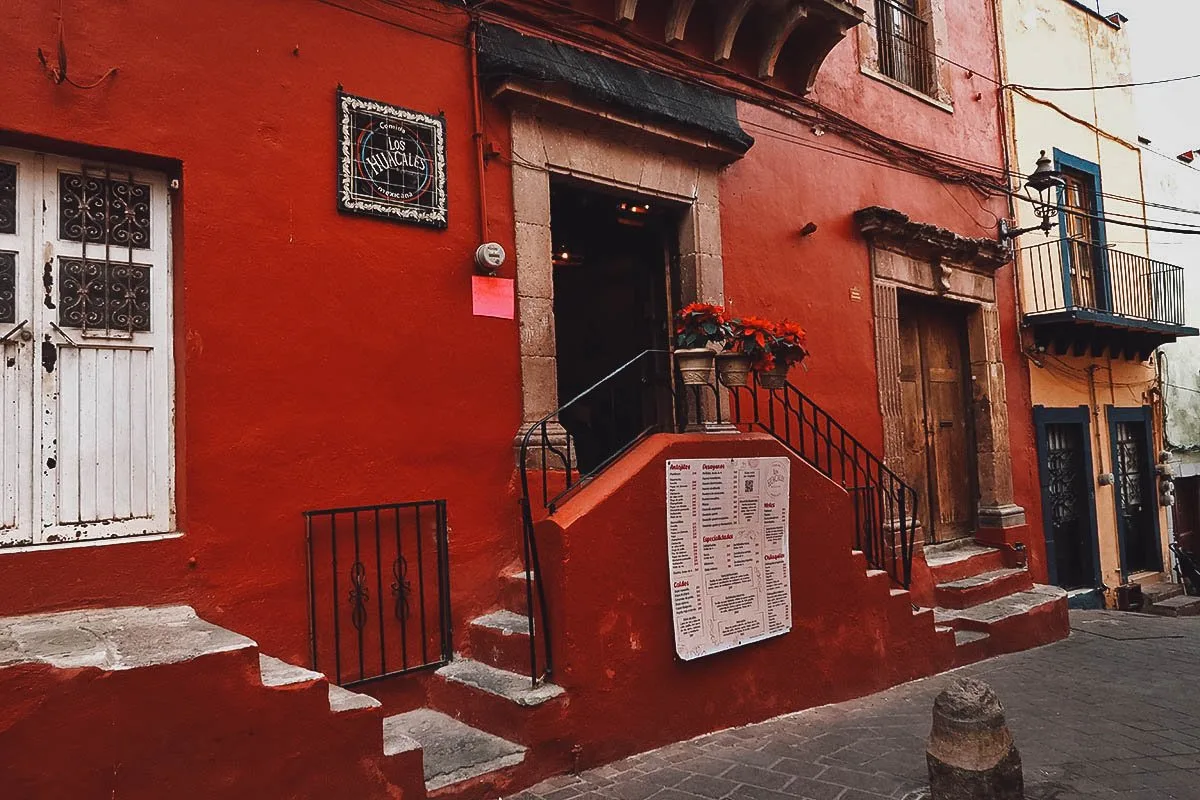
885	508
1072	274
378	590
905	51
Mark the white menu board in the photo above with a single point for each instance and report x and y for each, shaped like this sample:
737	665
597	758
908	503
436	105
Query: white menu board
727	540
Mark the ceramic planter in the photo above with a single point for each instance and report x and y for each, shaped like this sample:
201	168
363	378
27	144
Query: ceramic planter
733	369
695	365
775	378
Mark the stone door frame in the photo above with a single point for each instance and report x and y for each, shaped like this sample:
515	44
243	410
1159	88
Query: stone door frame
933	262
636	159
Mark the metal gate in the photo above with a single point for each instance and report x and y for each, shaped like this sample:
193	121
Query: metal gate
1135	492
1068	497
378	590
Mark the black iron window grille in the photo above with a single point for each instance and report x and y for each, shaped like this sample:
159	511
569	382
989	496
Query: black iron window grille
102	209
905	45
103	294
8	197
378	590
8	286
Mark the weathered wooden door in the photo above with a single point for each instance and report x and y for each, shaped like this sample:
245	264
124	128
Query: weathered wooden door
939	437
88	384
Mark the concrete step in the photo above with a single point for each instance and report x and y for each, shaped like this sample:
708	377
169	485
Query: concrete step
453	752
500	639
963	638
1178	606
280	673
512	590
1157	592
118	638
962	559
982	588
511	686
277	673
985	614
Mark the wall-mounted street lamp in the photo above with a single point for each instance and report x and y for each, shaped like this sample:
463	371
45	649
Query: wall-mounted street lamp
1044	181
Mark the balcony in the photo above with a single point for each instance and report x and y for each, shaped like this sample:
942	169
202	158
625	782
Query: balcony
1083	298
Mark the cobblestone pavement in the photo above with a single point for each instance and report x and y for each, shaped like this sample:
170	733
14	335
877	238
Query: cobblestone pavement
1111	712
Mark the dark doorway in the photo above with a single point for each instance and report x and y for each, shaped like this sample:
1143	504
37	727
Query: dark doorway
613	257
939	436
1068	496
1187	514
1136	491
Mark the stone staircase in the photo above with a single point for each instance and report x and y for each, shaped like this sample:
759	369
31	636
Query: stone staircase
991	606
152	702
483	714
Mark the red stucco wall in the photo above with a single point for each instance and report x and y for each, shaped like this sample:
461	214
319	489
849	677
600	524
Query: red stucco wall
326	360
607	573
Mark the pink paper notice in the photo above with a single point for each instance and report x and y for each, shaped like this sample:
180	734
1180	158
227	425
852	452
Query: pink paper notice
492	297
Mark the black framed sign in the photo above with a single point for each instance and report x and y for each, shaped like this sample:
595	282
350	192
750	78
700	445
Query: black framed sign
392	162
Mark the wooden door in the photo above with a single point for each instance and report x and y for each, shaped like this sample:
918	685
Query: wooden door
86	399
1080	226
938	433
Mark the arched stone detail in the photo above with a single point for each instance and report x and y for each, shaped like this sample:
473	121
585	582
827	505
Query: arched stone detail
789	19
677	20
728	28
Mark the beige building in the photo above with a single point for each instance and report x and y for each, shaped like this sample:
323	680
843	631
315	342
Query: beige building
1093	306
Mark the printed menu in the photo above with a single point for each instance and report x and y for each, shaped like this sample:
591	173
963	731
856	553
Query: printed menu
727	544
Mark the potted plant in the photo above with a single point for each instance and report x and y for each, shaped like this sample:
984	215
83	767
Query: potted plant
789	346
747	345
696	327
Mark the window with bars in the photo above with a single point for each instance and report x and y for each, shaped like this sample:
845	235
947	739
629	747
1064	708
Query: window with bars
906	45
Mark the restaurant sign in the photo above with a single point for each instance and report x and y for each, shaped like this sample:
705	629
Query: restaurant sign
727	547
392	162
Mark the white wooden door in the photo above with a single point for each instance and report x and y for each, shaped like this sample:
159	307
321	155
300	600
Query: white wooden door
96	374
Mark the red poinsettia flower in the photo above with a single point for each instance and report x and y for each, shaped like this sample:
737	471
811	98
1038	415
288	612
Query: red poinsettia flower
697	324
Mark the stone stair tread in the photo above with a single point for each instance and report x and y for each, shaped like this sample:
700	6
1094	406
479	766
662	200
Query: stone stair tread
1179	606
939	555
1004	607
452	751
1158	592
276	672
345	700
981	579
505	621
966	637
502	683
114	638
519	574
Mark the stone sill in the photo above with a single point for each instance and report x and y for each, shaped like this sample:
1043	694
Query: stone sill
48	546
904	87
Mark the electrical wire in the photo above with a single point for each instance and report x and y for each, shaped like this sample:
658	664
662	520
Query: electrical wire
1098	88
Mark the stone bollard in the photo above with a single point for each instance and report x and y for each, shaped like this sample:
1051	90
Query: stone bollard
971	753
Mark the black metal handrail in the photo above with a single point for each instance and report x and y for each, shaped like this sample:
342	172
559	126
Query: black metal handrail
885	508
905	53
1074	274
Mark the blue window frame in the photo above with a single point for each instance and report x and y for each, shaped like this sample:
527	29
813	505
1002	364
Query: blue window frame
1074	295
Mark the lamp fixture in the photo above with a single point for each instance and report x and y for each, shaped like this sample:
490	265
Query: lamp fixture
1043	181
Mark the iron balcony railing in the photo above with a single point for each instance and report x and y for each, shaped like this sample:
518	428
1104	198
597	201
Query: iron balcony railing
905	51
552	465
1076	275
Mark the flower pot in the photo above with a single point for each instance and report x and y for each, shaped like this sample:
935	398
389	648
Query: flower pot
733	369
775	378
695	365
